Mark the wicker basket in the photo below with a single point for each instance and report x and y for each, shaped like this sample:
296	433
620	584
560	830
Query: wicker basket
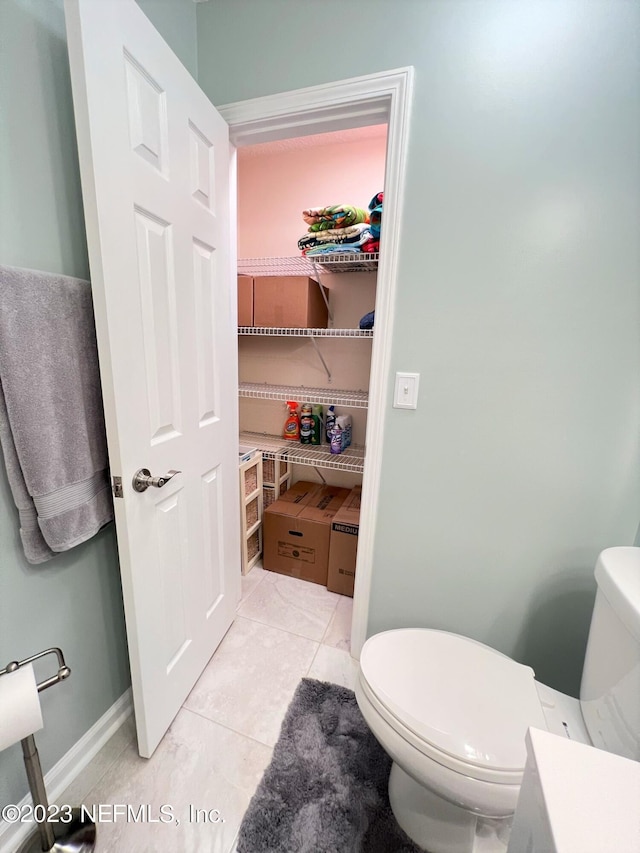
250	480
251	511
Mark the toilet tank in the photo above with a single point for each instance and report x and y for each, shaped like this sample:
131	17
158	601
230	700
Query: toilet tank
610	687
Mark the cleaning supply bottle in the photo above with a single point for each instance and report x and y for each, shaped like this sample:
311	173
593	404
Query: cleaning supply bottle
344	422
329	422
306	423
336	440
291	429
317	428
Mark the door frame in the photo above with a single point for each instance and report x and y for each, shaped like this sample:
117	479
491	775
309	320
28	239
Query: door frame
381	98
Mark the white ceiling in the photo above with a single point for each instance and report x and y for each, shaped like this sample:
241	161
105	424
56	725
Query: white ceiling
357	134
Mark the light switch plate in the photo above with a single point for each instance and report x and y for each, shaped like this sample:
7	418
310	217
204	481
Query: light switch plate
406	391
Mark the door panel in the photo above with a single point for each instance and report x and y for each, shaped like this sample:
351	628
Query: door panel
204	266
154	157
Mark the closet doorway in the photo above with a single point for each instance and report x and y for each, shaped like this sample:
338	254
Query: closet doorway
373	100
324	367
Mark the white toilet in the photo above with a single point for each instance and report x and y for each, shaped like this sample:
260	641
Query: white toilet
452	714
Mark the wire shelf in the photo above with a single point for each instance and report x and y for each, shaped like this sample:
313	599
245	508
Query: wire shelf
326	396
274	447
310	266
305	333
269	445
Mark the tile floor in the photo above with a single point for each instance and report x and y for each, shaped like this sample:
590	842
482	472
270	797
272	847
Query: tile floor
217	748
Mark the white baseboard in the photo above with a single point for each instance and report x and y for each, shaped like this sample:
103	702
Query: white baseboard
58	779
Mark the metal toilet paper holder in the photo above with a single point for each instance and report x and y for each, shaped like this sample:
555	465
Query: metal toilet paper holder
77	835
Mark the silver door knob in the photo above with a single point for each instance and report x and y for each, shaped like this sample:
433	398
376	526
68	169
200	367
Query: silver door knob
142	479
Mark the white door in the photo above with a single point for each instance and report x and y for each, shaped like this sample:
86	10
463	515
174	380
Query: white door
154	157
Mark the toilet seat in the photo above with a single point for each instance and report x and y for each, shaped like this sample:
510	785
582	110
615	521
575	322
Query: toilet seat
477	723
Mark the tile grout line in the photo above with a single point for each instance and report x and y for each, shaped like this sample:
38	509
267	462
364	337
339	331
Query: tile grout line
288	604
277	628
299	608
313	660
234	843
228	728
250	593
333	613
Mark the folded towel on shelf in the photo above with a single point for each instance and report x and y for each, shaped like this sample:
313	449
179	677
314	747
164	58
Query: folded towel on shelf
333	250
354	234
51	420
334	216
350	232
337	247
371	246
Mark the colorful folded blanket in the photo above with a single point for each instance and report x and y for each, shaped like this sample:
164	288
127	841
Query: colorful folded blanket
336	233
334	216
313	241
353	233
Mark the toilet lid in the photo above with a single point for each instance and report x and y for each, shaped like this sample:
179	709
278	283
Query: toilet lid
460	696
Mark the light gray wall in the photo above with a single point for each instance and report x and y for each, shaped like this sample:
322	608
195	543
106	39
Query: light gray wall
175	20
518	297
74	601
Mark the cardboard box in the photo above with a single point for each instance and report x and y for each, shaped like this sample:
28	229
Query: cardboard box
245	300
297	530
299	491
345	526
289	302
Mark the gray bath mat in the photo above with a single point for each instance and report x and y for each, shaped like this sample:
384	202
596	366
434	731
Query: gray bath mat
325	790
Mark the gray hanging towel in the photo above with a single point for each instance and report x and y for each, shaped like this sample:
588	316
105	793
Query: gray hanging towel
51	420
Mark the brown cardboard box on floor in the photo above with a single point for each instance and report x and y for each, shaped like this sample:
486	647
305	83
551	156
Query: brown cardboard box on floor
289	302
297	532
245	300
344	545
299	491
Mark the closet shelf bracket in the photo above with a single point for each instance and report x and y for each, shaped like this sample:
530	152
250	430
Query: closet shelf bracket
321	357
317	274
